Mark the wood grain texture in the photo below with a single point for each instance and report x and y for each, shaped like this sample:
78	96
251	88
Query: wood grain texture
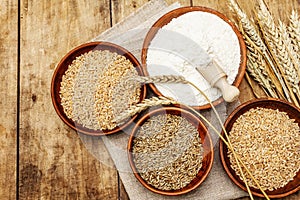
280	10
54	164
8	103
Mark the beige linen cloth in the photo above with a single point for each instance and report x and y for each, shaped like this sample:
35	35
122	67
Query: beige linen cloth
130	34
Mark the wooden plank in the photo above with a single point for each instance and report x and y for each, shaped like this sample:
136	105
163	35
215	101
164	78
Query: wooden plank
121	9
8	104
278	8
54	164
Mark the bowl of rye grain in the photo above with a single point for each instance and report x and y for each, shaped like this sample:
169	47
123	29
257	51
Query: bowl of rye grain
89	87
170	151
265	134
163	54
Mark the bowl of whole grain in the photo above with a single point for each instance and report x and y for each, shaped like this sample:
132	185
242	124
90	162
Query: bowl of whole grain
265	135
170	48
170	151
89	87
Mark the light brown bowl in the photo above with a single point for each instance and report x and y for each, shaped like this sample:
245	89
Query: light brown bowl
205	139
165	19
63	66
270	103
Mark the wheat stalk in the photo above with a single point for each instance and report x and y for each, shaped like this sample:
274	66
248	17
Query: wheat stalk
263	66
247	25
229	145
167	101
253	34
249	80
279	50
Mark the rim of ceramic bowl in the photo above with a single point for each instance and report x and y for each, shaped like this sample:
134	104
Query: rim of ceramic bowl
271	103
165	19
63	66
205	140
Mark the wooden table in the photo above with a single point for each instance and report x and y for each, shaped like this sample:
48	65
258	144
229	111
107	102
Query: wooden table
42	158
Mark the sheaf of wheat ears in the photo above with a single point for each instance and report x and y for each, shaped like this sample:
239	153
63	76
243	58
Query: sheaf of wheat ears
260	63
278	37
278	50
156	101
253	34
257	68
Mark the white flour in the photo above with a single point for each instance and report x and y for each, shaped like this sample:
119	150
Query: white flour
174	49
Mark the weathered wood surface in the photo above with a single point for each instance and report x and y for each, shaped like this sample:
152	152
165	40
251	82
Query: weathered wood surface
53	162
8	103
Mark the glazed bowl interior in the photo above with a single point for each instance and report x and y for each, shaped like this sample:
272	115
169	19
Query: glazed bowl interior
165	19
270	103
205	140
63	66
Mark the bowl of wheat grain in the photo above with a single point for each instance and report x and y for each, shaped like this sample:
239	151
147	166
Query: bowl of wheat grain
170	151
265	135
89	87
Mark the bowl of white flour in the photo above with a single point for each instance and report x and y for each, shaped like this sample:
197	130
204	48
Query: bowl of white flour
170	47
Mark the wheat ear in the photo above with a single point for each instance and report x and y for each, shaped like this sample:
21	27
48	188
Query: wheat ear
279	50
294	30
294	34
295	57
253	34
292	70
154	101
247	25
160	79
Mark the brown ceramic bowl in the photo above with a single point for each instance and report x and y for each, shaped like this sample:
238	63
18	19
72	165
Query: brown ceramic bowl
165	19
205	139
63	66
270	103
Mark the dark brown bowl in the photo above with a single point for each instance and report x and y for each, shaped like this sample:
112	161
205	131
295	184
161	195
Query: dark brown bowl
63	66
165	19
205	139
270	103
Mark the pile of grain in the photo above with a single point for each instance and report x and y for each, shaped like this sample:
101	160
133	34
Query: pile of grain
268	142
93	91
168	152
